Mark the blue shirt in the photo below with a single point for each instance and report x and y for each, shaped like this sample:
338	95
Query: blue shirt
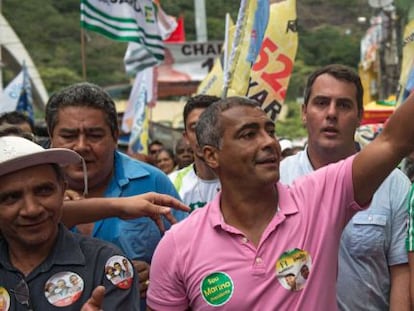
373	240
138	237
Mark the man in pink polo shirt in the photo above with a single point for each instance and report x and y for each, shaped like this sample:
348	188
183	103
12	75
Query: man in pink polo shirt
260	245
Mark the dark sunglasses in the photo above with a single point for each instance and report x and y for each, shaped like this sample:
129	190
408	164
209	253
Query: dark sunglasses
22	294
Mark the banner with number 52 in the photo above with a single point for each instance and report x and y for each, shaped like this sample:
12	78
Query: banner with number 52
269	77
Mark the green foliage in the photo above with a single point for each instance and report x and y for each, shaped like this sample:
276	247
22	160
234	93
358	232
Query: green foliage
50	31
298	79
57	78
291	127
327	45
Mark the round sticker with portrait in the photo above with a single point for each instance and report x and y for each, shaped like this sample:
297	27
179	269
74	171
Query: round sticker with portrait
119	270
64	288
293	269
4	299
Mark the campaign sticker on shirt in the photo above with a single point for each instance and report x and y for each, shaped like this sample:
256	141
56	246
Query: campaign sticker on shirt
4	299
293	268
119	271
217	288
64	288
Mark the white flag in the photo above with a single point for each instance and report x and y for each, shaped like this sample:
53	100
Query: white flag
142	95
10	96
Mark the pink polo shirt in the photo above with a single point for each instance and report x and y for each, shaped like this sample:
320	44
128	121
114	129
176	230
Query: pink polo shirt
205	264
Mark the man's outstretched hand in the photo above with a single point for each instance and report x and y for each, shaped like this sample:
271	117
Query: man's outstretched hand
151	204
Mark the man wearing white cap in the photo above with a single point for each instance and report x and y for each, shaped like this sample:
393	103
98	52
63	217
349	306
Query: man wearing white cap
286	147
37	253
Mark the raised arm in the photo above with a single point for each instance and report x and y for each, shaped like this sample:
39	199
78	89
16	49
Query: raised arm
150	204
376	161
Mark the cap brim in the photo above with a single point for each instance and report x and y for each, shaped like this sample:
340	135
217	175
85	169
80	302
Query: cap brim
60	156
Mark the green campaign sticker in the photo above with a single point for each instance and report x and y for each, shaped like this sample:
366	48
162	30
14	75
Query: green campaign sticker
217	288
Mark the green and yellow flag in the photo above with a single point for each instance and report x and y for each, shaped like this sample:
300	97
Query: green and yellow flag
268	79
271	72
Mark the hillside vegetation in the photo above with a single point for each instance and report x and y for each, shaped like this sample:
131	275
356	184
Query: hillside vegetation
328	32
50	31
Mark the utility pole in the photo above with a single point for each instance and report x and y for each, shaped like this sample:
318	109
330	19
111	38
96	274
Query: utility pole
389	58
388	54
200	20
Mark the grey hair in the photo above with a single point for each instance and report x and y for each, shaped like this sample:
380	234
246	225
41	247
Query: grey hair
208	129
82	94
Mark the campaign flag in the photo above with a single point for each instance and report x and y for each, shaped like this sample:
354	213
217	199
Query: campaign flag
127	21
25	101
136	57
271	72
11	94
406	84
261	19
167	23
134	98
212	84
236	74
143	95
18	94
178	35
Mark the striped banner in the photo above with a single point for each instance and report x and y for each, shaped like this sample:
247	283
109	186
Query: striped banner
127	22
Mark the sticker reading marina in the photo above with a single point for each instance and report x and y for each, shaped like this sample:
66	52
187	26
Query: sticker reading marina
217	288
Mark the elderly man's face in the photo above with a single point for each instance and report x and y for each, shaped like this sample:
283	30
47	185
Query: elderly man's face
30	206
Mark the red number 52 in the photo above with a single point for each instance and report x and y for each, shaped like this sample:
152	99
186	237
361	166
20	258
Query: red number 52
272	78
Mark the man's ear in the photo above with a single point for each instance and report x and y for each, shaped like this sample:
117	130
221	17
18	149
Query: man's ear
116	135
304	111
211	156
50	138
65	185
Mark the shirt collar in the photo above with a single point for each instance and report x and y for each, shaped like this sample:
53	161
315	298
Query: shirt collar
286	207
66	251
126	169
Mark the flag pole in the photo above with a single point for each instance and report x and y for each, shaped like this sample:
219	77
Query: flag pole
83	55
226	44
242	16
200	20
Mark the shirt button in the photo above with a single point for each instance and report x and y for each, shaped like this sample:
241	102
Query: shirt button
259	260
244	240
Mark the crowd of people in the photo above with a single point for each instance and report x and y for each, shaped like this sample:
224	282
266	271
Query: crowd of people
230	219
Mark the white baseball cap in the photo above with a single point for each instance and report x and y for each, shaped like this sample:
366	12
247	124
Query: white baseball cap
285	144
17	153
